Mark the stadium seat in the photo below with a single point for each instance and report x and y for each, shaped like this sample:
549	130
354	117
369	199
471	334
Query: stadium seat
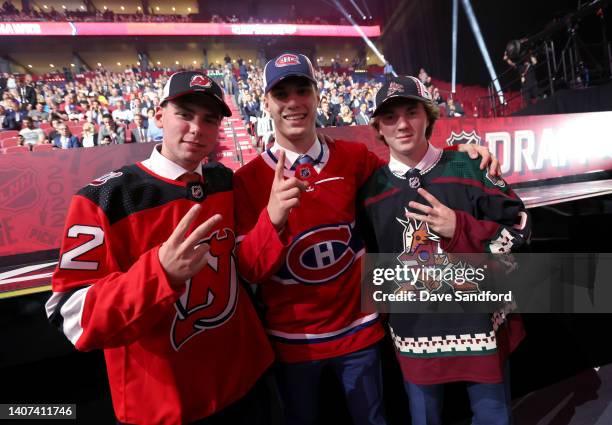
9	142
16	149
42	148
8	134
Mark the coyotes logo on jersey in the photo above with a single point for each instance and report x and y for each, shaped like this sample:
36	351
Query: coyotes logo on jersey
422	250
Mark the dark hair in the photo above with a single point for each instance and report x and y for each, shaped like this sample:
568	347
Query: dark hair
431	110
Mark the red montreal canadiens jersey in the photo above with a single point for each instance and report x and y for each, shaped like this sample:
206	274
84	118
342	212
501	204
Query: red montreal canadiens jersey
172	356
311	273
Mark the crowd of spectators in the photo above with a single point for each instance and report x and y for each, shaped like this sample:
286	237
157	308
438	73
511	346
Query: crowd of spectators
110	108
9	13
343	101
115	108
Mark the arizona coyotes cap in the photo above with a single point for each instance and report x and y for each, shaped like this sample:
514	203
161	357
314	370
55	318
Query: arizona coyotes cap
287	65
401	87
188	82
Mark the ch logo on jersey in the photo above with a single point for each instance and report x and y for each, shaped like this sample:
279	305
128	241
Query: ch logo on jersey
287	60
199	80
321	254
211	296
106	177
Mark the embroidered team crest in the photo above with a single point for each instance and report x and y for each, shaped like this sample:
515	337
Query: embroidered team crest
211	295
287	60
200	80
422	250
304	173
106	177
464	138
394	88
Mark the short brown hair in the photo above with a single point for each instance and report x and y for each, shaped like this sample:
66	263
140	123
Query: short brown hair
431	110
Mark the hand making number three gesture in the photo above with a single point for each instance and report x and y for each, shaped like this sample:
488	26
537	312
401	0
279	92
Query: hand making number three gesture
440	218
284	195
182	257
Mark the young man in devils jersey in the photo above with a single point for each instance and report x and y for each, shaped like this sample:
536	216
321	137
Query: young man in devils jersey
296	225
147	273
427	202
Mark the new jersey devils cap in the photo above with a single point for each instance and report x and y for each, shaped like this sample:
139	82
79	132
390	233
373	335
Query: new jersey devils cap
191	82
287	65
401	87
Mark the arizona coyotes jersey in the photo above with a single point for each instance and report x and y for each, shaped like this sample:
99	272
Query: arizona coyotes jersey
438	348
173	356
310	275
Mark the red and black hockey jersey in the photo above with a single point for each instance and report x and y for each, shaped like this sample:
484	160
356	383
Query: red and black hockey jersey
310	275
438	348
172	356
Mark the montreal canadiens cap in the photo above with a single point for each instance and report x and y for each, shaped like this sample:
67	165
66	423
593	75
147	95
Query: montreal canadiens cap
287	65
191	82
401	87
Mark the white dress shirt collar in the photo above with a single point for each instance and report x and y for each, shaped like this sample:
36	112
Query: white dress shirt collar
429	160
291	157
162	166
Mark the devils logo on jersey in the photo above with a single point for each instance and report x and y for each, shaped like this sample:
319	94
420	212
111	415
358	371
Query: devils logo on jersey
211	295
320	255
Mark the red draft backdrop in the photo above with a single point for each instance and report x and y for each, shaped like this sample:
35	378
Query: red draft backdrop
35	188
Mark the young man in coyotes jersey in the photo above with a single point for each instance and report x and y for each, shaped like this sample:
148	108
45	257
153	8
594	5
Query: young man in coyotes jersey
456	208
147	273
296	225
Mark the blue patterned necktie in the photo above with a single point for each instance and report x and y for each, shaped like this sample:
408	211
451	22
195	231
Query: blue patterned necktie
304	159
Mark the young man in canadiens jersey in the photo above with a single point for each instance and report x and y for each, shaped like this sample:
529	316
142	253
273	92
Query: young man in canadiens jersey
147	273
296	226
445	202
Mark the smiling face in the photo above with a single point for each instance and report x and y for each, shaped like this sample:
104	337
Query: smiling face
292	104
403	124
191	127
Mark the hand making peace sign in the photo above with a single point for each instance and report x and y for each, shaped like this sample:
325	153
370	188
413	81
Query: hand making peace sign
182	257
440	218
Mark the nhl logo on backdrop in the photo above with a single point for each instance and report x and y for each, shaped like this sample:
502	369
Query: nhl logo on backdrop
287	60
464	138
200	81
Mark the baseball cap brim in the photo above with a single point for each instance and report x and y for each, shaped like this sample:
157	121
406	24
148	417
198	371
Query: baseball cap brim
398	96
275	81
225	110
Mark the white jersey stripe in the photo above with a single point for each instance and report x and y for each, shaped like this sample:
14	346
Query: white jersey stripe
358	322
